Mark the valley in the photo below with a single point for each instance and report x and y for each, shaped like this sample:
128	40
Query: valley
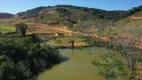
71	42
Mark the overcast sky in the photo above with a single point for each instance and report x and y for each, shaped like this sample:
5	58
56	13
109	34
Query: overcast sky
14	6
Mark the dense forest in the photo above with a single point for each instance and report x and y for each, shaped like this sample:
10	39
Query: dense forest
21	58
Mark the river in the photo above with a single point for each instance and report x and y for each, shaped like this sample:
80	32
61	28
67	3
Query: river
78	66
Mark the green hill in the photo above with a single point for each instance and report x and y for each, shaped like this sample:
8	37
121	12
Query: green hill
68	14
139	13
132	24
129	21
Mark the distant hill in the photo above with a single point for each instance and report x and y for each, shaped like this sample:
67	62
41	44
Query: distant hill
69	14
57	14
98	13
138	13
6	15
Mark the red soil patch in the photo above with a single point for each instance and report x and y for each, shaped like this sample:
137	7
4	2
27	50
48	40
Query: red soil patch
139	71
128	36
136	17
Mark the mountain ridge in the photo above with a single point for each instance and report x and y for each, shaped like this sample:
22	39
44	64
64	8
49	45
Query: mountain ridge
69	14
6	15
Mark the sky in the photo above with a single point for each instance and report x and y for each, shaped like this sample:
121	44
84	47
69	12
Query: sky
15	6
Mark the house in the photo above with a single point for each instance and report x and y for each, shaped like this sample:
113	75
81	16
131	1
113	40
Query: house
59	34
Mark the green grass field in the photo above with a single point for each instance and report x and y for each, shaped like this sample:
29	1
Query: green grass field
7	28
16	21
7	25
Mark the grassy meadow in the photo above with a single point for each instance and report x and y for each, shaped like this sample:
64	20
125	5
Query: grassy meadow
7	28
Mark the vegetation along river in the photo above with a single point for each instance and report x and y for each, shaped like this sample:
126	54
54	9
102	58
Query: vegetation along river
78	65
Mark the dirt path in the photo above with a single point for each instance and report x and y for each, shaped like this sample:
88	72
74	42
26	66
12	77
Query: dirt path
40	29
53	28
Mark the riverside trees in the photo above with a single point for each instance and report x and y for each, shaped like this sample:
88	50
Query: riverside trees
129	52
20	58
109	66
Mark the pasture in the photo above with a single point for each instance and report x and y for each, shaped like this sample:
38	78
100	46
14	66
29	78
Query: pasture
7	28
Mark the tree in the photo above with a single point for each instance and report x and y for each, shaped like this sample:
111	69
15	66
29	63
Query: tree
128	46
109	67
72	43
8	70
131	54
22	28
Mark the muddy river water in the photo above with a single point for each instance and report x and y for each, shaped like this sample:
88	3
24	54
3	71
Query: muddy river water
78	66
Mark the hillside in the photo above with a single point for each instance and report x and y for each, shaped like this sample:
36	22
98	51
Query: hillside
57	15
68	14
98	13
5	15
130	25
71	16
139	13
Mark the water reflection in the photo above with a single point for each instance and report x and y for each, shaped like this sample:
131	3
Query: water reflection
72	53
